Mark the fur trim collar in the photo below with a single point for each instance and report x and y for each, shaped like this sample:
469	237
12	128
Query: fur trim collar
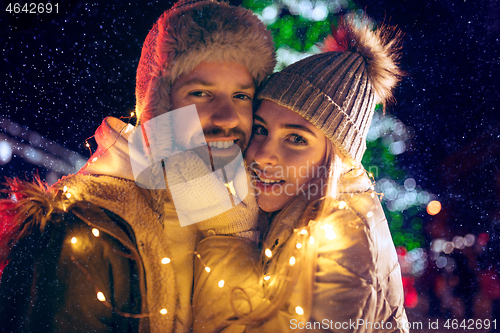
38	206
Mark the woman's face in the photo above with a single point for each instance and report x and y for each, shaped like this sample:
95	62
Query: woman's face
286	153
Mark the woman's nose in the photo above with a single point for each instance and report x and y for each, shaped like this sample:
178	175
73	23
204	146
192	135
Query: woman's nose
267	153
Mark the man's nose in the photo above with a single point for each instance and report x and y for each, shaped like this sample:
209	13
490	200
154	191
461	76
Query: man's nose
225	114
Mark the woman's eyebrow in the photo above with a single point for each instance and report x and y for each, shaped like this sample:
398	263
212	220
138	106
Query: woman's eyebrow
299	127
259	119
288	126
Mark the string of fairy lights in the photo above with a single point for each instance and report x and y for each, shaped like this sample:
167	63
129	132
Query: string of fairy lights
313	234
127	127
384	131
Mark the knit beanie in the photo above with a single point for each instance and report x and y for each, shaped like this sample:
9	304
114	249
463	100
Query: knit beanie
191	32
337	90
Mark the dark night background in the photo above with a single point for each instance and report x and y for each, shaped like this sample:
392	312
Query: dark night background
61	74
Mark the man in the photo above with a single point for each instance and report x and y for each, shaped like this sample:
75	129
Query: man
96	252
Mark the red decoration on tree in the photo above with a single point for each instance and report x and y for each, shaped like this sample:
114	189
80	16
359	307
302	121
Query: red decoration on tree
337	41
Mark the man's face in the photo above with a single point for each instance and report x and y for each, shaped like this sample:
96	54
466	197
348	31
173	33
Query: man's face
223	94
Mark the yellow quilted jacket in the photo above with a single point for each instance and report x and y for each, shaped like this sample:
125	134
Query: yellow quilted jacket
339	274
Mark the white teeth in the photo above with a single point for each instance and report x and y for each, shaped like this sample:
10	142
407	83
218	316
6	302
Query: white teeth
269	181
221	144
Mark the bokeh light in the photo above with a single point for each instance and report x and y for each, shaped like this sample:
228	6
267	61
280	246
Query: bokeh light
433	207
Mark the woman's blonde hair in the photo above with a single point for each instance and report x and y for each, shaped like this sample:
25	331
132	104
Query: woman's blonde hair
337	164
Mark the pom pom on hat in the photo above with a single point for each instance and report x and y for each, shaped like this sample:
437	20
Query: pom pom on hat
380	48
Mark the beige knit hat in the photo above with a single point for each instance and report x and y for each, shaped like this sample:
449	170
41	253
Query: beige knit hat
194	31
337	91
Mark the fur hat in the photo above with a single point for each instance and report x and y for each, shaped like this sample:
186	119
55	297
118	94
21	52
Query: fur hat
337	90
192	32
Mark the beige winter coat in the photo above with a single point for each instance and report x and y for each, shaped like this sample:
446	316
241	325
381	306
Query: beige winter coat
336	275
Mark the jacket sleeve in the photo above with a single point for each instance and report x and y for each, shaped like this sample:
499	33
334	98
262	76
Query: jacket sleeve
53	278
358	284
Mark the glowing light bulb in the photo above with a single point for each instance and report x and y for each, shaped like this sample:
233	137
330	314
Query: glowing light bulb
370	214
165	261
221	283
299	310
329	233
73	240
94	159
298	245
292	261
163	311
342	205
68	195
65	189
311	240
268	253
100	296
303	232
267	278
207	269
95	232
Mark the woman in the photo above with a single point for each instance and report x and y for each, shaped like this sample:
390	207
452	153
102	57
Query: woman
328	261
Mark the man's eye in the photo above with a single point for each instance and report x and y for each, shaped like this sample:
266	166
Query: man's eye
243	96
259	130
198	94
296	139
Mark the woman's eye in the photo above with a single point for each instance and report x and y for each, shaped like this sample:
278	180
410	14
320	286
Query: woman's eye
243	96
259	130
297	139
